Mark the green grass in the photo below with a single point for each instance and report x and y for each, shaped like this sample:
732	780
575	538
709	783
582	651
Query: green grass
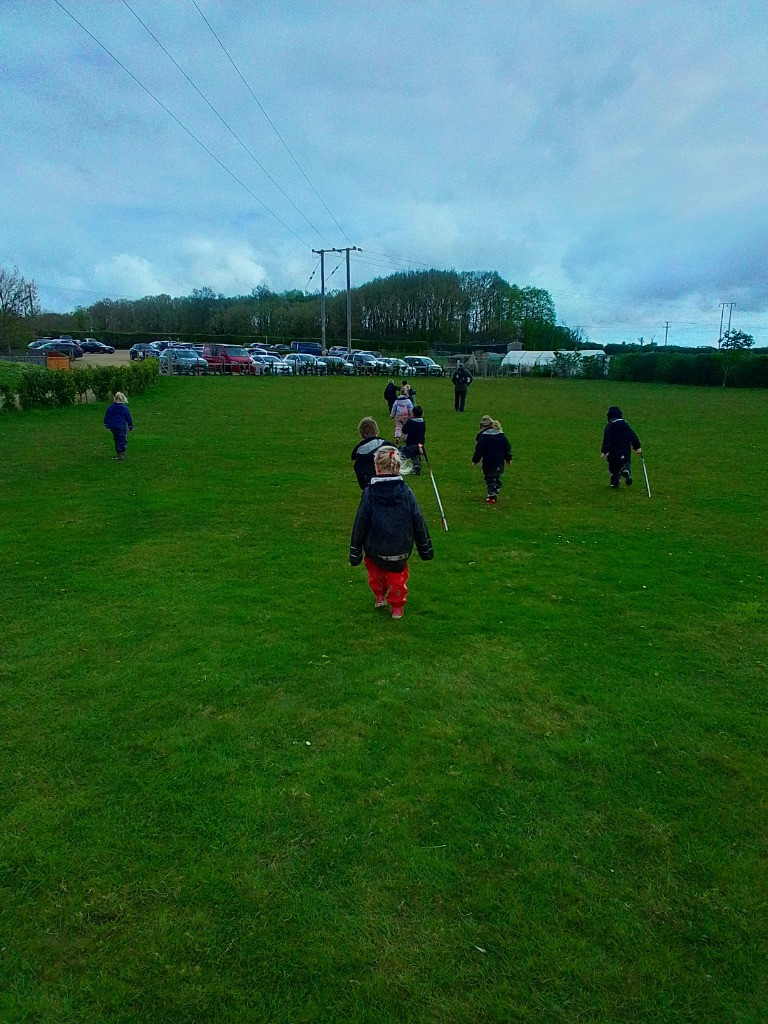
233	792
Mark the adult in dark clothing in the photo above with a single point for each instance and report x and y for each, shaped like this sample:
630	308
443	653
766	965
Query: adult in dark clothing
494	450
461	378
118	419
415	434
364	451
618	439
388	522
390	394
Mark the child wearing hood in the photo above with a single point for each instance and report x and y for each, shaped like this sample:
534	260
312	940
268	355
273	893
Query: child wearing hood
390	394
388	522
618	438
401	411
364	451
415	434
493	448
117	418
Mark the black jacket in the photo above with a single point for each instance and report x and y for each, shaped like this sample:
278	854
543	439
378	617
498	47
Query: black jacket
387	523
461	378
494	449
362	455
618	438
390	394
415	430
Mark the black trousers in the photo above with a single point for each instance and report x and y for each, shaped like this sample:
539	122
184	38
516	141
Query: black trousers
459	398
616	467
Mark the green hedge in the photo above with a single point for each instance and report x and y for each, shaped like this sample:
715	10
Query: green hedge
40	388
709	369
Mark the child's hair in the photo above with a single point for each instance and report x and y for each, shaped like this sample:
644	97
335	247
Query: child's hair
368	427
417	411
387	461
486	422
120	397
614	413
404	384
404	391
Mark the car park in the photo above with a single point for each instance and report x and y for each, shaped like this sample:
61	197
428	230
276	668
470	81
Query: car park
304	363
63	346
182	360
227	358
95	347
423	366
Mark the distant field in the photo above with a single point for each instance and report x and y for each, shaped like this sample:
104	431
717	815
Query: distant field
232	792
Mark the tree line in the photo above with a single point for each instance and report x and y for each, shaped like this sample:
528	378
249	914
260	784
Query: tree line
434	307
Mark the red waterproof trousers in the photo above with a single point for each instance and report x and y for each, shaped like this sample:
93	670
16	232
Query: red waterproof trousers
391	585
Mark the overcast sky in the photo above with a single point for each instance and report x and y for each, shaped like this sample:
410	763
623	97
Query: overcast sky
614	153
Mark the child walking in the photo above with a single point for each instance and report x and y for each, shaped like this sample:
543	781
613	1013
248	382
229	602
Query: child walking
388	522
402	410
494	449
618	438
117	418
415	433
364	451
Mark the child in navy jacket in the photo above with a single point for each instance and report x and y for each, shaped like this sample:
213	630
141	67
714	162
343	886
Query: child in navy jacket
363	453
618	438
415	434
388	522
494	449
117	418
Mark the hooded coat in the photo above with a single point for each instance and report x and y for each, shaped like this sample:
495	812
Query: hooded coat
363	455
494	449
388	522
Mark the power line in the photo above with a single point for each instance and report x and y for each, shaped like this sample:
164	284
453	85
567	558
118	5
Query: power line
181	124
226	124
269	119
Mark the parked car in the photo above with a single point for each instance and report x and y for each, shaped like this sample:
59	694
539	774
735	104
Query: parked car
395	367
227	358
337	364
270	363
339	350
39	343
182	360
423	366
303	362
97	347
314	348
66	348
141	350
366	362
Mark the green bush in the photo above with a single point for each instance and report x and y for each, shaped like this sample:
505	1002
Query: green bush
37	388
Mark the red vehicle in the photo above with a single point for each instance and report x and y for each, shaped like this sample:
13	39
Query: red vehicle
227	359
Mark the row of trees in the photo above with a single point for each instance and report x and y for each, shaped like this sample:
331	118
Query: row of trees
434	307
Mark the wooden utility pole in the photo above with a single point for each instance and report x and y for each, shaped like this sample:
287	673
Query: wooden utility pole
321	253
730	306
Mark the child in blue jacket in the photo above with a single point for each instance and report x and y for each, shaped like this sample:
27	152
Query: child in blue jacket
117	418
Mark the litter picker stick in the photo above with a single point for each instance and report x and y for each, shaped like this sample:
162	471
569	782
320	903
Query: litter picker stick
645	472
437	495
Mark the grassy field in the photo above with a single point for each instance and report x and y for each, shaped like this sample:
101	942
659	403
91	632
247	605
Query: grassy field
233	792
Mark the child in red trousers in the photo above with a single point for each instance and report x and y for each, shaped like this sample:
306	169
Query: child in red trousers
388	522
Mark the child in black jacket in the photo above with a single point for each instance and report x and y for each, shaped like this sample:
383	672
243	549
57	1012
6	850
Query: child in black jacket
494	449
415	434
363	453
388	522
618	438
117	418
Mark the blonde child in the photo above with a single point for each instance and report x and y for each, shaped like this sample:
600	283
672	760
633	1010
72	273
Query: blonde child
388	522
117	418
